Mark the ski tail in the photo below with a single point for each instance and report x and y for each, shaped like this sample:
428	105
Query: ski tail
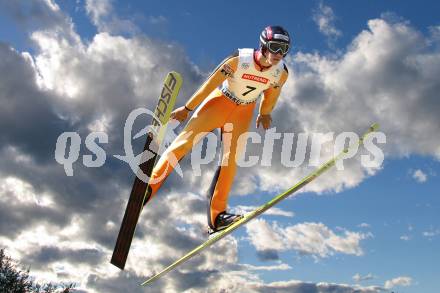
252	215
167	99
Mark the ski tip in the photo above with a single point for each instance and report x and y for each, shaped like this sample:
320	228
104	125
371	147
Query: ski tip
146	282
175	72
151	279
177	76
374	127
118	262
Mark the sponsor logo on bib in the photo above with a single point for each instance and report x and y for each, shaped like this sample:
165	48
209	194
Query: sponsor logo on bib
227	70
255	78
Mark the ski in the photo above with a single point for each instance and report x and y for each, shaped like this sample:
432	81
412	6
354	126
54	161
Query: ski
221	234
167	99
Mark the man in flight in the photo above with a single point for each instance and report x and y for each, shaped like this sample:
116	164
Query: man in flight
226	100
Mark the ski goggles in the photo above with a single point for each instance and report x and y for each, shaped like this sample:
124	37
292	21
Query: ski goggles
278	47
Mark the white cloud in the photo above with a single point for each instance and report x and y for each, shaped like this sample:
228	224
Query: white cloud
274	211
299	286
431	233
158	19
279	267
104	18
52	5
324	17
420	176
17	192
264	237
39	15
55	224
358	278
405	237
98	9
58	256
399	281
307	238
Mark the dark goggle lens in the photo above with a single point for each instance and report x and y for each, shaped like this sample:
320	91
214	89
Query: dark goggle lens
277	47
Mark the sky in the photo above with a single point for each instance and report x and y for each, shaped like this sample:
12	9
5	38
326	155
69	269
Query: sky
82	66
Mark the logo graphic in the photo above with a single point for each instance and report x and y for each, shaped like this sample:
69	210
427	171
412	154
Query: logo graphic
282	37
227	70
245	66
134	161
276	73
275	85
255	78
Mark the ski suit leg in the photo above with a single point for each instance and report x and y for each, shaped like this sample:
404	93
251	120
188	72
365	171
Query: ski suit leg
240	120
210	115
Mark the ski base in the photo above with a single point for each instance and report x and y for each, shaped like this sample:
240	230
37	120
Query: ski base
170	90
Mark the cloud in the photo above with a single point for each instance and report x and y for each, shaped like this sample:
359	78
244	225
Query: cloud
431	233
21	201
274	211
268	254
102	15
358	278
157	19
307	238
399	281
44	13
280	267
39	15
405	237
386	57
49	254
98	9
419	176
63	227
324	18
304	287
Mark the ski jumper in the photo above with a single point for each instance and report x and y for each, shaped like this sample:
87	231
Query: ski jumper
227	100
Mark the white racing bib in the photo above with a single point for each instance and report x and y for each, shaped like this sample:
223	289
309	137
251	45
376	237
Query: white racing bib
247	83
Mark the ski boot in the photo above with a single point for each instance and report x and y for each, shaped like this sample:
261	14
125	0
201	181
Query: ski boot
223	221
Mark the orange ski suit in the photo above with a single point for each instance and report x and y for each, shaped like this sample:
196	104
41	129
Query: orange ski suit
216	111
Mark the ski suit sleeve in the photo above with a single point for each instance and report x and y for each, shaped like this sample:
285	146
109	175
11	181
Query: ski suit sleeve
271	95
223	71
